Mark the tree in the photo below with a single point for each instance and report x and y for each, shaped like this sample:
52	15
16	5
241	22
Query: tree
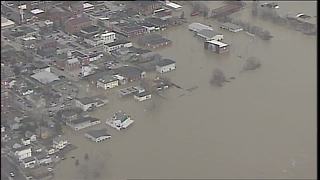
218	78
251	63
77	162
86	157
182	15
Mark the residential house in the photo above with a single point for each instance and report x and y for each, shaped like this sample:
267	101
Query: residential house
23	152
130	73
208	35
87	103
165	65
216	46
31	136
120	120
59	142
196	27
28	162
70	114
142	96
231	27
98	135
83	122
26	141
108	82
43	159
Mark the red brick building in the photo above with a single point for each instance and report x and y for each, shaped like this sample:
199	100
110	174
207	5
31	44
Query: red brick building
76	23
145	7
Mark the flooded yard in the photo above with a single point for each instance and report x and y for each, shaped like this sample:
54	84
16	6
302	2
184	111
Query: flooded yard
262	124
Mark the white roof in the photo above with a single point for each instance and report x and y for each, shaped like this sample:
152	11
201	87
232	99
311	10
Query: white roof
107	33
219	43
48	22
24	6
36	11
74	60
199	26
173	5
45	77
87	5
29	38
6	22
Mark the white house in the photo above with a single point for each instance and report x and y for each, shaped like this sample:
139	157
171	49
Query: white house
59	142
108	82
23	152
52	151
142	96
216	46
120	120
165	65
26	141
98	135
29	162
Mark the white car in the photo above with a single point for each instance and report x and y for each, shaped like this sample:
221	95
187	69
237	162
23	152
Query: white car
11	174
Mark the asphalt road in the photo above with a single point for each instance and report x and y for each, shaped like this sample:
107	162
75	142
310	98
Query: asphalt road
7	166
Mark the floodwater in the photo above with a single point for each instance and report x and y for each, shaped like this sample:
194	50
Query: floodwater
262	124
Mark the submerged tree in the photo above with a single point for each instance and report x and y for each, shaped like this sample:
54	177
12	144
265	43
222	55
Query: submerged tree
251	63
218	78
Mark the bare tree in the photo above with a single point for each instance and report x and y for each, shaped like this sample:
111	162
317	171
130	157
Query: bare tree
86	156
77	162
218	78
251	63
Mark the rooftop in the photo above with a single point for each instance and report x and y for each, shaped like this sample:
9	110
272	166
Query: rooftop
45	77
84	120
87	100
219	43
165	62
107	78
6	22
118	42
90	29
207	33
98	133
230	25
120	116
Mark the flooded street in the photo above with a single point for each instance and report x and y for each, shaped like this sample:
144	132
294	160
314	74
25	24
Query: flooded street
262	124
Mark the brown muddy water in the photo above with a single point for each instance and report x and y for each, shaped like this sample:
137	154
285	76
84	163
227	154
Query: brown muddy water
260	125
